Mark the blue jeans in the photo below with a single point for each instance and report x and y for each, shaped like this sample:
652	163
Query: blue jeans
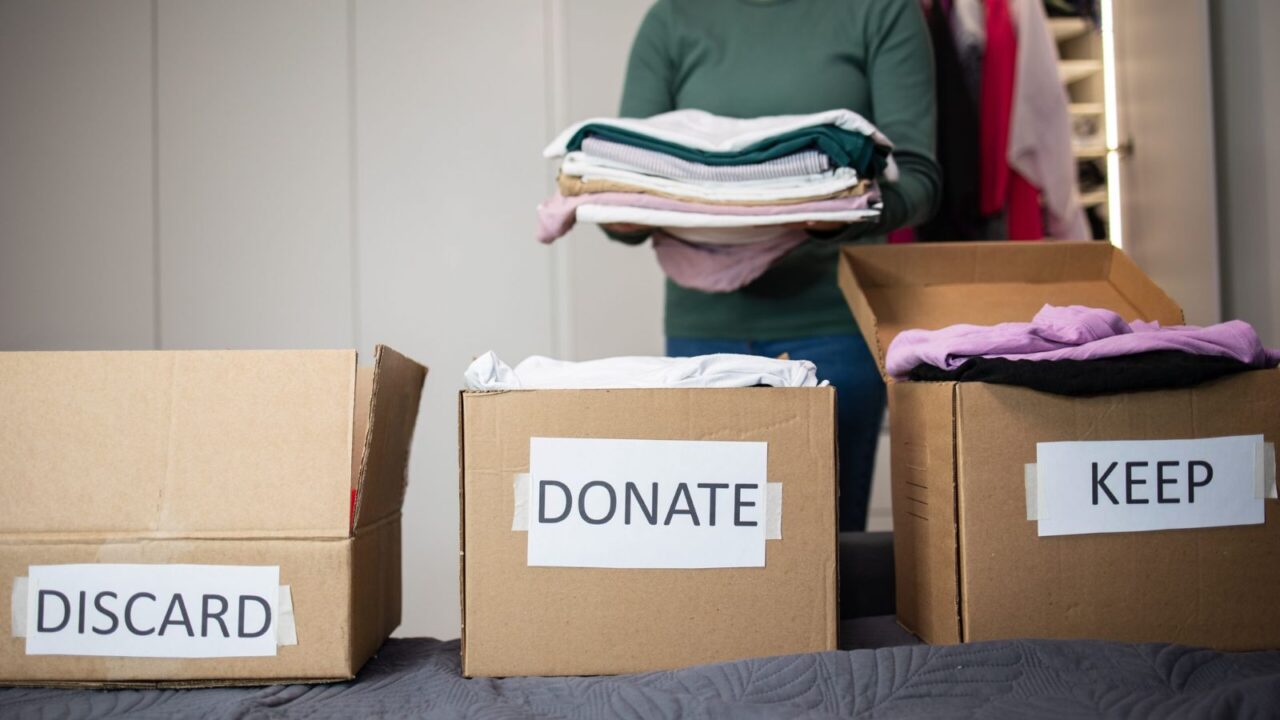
846	363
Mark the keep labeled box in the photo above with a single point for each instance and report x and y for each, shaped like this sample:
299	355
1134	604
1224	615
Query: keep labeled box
200	517
612	531
1141	516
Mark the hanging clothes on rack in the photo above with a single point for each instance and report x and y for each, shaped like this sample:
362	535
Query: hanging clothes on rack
1004	125
958	217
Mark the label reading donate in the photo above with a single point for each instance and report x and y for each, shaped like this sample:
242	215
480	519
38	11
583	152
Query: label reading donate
1136	485
174	611
647	503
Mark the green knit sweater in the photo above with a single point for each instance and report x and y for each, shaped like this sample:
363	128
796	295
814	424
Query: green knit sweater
748	58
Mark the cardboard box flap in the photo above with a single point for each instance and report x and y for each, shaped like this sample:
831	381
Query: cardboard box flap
177	444
387	408
892	288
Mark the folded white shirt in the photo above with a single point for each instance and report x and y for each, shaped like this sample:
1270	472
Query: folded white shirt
488	372
605	214
829	183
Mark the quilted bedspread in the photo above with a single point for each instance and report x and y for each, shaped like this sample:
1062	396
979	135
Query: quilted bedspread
1010	679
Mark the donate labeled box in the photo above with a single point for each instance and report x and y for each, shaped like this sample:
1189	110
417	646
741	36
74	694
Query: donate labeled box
1136	516
612	531
201	517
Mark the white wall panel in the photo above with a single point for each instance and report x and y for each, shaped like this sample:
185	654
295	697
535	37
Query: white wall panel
614	300
1165	93
1246	54
255	174
75	175
450	118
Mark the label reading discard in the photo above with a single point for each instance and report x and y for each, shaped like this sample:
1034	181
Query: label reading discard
171	611
1136	485
647	503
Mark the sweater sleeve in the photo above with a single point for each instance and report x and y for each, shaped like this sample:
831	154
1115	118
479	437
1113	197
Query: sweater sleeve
900	75
649	88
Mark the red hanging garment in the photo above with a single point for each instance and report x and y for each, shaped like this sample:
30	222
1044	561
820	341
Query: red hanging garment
999	186
1023	216
994	108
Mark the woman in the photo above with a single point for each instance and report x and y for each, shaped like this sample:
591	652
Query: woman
750	58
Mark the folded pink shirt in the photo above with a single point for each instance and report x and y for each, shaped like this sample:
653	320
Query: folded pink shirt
720	268
1072	333
558	213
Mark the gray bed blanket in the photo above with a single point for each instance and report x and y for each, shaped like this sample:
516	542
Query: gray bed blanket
1013	679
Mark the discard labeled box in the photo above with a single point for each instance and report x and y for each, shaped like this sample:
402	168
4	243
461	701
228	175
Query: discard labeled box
200	518
976	556
611	531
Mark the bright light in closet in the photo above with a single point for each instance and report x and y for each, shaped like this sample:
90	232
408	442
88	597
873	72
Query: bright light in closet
1112	122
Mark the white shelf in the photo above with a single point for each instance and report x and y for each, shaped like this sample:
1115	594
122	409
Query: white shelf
1067	28
1087	108
1071	71
1094	197
1089	151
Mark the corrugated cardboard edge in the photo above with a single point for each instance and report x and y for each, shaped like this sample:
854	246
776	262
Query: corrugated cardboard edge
462	536
862	312
1141	291
926	543
833	616
409	377
375	601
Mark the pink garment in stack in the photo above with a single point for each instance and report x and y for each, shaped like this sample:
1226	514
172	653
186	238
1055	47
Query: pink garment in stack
720	268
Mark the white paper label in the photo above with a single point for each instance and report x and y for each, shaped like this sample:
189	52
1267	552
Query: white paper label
174	611
647	503
1136	485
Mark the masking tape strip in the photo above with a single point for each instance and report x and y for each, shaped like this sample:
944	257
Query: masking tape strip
1033	496
773	512
286	628
1264	480
520	507
520	516
18	608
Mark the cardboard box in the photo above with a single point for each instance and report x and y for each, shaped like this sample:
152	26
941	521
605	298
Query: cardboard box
288	460
523	620
969	564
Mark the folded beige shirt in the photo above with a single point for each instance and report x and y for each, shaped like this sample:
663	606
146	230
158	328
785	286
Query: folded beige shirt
578	186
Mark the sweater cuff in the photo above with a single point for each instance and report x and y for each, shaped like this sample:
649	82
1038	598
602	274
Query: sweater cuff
631	238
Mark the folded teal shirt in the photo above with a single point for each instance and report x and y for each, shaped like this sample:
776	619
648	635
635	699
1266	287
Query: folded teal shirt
846	148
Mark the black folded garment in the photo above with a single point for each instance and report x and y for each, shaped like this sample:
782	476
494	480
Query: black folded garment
1156	370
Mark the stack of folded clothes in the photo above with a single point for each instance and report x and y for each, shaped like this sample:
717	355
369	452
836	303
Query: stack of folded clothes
724	195
1079	350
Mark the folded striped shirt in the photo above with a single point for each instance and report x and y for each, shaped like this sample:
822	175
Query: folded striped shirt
652	162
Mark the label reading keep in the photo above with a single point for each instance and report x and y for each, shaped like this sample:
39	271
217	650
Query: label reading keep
1138	485
169	611
646	503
